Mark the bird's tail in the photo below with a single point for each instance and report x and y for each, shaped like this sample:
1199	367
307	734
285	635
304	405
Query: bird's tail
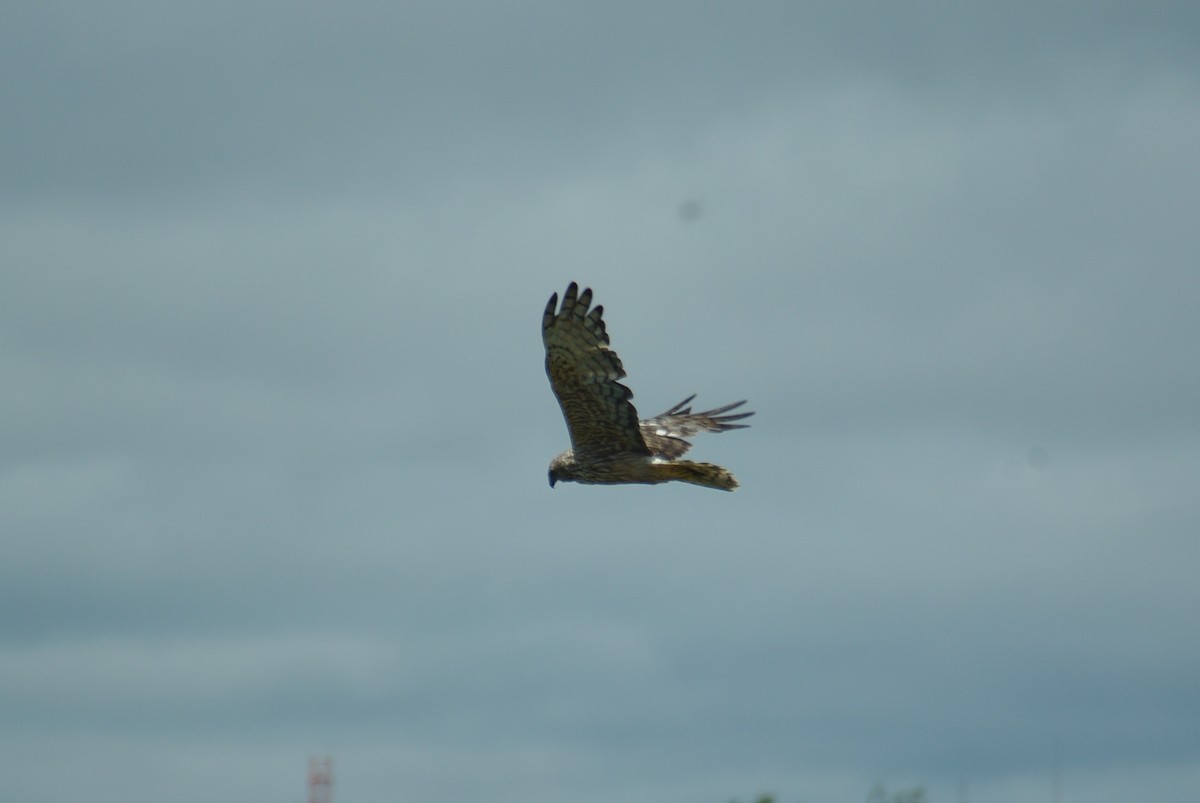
706	474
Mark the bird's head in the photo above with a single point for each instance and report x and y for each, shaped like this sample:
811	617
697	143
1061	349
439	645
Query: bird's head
561	467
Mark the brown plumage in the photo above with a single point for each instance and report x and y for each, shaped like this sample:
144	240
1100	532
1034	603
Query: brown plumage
608	442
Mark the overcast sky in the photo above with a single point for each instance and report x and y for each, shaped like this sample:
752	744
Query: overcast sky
274	425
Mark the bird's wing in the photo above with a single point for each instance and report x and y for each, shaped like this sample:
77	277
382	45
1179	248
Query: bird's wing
585	375
665	433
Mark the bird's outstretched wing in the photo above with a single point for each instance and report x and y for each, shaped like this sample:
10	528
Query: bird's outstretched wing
665	433
585	375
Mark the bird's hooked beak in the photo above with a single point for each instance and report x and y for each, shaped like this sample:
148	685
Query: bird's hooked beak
553	479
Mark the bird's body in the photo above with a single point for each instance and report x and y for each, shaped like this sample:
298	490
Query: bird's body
609	445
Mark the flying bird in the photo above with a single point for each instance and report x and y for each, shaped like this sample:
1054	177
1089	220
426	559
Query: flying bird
609	445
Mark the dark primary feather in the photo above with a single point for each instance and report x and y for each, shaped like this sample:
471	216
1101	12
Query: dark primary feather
585	375
664	434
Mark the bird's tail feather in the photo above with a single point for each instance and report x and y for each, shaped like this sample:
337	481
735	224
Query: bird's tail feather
706	474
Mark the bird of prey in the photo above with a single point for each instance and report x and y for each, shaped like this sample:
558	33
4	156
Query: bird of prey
609	445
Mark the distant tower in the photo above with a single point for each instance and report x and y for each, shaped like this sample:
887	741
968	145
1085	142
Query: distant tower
320	780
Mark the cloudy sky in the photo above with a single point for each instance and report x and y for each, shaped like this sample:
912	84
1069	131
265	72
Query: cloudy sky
274	425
